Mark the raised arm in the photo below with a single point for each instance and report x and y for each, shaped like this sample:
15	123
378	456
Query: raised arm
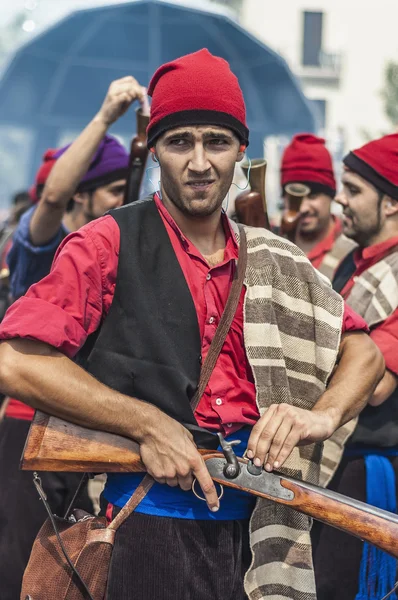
360	368
74	163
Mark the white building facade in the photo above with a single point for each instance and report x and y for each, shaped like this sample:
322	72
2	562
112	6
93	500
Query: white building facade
339	50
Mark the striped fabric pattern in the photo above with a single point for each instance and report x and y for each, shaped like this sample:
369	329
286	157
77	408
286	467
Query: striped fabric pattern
292	329
374	295
341	248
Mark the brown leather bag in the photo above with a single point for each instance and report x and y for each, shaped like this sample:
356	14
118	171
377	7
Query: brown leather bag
70	557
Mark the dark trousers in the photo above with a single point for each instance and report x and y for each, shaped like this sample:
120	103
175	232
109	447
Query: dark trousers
178	559
337	555
21	512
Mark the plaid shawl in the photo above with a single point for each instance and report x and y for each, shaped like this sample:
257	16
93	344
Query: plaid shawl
374	294
292	328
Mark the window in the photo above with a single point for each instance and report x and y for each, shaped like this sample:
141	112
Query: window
312	38
319	107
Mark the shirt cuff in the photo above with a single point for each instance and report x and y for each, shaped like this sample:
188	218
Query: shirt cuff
33	318
22	235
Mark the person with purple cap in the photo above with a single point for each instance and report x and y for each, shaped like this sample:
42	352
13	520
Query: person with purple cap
87	179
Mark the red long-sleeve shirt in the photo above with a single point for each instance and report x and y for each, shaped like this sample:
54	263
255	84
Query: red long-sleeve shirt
70	303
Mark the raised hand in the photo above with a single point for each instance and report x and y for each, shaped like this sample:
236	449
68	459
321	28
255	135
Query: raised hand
121	94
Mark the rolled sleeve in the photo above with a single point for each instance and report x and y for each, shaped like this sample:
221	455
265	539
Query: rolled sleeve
24	319
352	321
386	338
67	305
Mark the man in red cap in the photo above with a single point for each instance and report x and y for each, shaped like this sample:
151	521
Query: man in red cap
306	160
368	281
150	280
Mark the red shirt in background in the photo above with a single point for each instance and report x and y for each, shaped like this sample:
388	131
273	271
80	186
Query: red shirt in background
76	296
318	252
385	335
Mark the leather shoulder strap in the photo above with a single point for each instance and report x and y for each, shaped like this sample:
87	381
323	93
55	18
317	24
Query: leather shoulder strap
225	321
132	504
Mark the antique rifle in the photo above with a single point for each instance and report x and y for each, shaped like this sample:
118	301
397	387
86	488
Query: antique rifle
251	205
138	155
57	445
294	194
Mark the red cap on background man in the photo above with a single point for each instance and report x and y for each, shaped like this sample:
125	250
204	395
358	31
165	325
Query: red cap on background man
42	173
196	89
307	160
377	162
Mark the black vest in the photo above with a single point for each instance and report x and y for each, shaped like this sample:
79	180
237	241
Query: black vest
149	344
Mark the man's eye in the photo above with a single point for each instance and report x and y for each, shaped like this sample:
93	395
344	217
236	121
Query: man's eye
178	142
217	142
353	190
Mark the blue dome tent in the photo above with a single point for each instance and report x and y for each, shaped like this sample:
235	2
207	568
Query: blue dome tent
55	83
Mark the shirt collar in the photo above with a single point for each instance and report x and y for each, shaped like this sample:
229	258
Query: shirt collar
377	251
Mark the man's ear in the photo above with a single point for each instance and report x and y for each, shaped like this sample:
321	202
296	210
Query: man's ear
241	153
80	197
391	206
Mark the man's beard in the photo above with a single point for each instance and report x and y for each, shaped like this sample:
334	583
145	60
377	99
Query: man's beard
315	229
362	234
198	206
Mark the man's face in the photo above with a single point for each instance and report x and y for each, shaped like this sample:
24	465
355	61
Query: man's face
104	198
315	214
363	217
197	166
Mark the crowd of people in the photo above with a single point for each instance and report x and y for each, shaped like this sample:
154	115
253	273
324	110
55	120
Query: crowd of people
113	309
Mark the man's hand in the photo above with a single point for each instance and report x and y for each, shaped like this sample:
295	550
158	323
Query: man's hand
170	456
121	94
281	428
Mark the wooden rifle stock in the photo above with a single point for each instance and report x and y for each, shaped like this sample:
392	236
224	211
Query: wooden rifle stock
57	445
294	193
138	158
251	204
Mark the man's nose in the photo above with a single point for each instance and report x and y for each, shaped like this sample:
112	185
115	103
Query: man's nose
340	198
305	206
198	161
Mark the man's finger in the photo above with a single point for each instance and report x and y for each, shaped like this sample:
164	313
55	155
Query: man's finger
185	483
206	483
278	443
266	439
291	442
256	431
172	481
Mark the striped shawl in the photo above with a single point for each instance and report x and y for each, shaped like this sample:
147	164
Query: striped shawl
292	328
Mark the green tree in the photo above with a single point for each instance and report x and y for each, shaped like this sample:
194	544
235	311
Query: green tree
390	92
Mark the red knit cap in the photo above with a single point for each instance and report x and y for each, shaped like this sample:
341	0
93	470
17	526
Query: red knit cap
307	160
377	162
43	172
196	89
